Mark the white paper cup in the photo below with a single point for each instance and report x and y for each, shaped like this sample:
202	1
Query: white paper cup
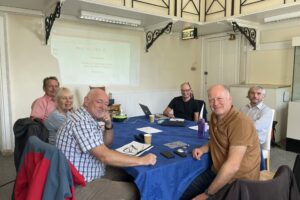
147	138
151	118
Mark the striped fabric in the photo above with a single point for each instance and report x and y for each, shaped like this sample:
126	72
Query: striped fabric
76	138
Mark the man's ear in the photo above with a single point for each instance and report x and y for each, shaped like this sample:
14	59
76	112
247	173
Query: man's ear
86	101
248	94
230	98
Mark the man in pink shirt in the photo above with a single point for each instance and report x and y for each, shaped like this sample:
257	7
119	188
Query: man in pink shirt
44	105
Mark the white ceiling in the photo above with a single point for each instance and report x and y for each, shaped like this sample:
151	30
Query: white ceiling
73	8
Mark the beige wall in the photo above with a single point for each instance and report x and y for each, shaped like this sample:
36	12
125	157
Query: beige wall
280	34
272	63
165	66
270	66
29	61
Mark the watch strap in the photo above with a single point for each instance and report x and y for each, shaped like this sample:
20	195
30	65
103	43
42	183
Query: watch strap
109	128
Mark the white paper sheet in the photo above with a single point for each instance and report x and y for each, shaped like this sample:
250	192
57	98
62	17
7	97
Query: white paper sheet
134	148
149	129
177	119
176	144
194	127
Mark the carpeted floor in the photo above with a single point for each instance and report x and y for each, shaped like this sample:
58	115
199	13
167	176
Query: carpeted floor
7	174
281	157
7	170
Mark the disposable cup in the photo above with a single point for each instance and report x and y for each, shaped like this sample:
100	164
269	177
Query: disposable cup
151	118
147	138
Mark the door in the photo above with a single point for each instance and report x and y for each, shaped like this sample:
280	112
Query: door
221	61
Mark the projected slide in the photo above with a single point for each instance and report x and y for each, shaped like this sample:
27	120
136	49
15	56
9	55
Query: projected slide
92	61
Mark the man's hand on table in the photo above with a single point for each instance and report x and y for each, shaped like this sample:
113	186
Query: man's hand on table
149	159
197	153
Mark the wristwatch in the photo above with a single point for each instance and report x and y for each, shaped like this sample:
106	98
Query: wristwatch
208	194
109	128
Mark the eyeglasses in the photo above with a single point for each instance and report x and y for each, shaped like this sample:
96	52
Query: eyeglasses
188	84
130	149
187	90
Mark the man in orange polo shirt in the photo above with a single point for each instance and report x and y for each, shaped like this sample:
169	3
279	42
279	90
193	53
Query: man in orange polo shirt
233	145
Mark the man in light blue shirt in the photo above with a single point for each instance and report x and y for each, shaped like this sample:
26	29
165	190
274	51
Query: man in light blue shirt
259	112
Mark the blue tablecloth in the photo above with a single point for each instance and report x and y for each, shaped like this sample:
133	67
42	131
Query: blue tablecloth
169	178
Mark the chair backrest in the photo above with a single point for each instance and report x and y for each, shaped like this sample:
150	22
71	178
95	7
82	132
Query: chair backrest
267	144
24	128
97	87
281	187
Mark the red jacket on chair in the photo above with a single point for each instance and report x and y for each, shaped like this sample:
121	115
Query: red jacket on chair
45	173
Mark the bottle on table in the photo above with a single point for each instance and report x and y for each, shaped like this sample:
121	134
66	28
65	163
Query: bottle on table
201	128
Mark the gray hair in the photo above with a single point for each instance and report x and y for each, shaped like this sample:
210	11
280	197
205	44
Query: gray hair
226	89
257	87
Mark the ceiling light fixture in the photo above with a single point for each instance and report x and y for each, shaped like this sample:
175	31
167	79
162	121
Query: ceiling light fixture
109	19
282	17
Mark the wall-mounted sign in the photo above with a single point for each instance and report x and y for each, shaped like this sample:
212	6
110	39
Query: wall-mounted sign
189	33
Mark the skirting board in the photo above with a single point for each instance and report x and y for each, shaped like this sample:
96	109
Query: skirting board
7	152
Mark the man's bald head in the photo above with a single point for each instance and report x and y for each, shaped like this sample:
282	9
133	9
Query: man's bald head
220	100
96	102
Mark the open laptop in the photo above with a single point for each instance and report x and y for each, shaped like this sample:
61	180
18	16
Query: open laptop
148	112
163	120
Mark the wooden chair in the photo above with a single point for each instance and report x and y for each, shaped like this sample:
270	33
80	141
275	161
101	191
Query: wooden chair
266	175
266	147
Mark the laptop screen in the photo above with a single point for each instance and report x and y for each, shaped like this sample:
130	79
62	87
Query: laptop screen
145	110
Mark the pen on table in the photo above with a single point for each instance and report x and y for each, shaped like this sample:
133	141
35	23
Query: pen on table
143	150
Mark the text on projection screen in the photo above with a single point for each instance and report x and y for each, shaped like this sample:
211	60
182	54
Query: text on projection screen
93	61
